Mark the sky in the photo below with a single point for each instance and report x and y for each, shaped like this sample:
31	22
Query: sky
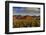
26	11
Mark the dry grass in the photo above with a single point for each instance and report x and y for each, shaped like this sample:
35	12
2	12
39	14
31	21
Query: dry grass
30	22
